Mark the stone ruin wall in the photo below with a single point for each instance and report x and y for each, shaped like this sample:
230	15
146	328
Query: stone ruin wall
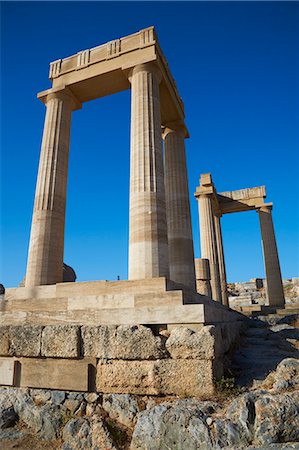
116	359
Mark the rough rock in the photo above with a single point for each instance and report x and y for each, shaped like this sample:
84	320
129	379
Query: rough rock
4	340
181	425
277	418
286	376
121	342
86	433
57	397
25	340
121	407
61	341
8	416
40	396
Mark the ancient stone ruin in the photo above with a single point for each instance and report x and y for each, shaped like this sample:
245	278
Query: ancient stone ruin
167	330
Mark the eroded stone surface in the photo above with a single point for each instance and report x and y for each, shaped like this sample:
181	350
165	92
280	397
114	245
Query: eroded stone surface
121	407
181	425
4	340
277	418
286	376
25	340
86	433
122	342
61	341
194	377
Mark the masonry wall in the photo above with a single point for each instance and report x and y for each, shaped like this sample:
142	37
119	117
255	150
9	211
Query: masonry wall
115	359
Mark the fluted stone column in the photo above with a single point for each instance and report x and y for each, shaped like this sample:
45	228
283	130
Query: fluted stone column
180	241
271	260
148	248
221	261
208	242
45	256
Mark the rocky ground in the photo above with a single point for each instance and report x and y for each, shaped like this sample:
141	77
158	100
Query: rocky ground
255	406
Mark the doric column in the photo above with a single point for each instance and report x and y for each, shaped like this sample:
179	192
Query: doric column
208	242
148	249
180	241
221	261
271	260
45	256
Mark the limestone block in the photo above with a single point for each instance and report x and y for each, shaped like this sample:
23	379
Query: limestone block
25	340
61	341
55	374
121	342
4	340
160	377
185	343
209	342
7	366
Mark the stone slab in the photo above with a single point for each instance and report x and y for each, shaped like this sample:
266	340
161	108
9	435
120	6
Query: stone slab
58	374
7	371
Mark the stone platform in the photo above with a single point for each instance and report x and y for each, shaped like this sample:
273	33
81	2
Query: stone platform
137	337
149	301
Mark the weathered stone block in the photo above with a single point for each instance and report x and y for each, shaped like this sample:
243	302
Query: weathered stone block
4	340
25	340
209	342
185	343
61	341
162	377
121	342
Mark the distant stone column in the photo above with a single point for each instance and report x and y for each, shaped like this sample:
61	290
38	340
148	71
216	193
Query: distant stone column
271	260
203	277
208	242
148	248
45	256
180	240
221	261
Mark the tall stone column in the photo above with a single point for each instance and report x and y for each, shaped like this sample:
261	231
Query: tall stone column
148	247
208	242
180	241
45	256
221	261
271	260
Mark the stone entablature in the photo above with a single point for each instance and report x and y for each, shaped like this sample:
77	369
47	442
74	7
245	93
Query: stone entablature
103	70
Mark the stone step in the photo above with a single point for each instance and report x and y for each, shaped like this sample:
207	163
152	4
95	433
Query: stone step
102	287
155	314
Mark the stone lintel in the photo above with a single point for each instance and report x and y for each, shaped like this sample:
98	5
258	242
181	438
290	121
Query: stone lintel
241	200
103	70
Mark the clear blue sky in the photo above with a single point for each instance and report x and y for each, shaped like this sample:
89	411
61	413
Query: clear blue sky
236	67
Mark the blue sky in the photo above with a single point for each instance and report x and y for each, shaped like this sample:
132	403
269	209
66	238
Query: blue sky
236	67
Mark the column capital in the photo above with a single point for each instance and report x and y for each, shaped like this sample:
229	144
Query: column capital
175	127
266	208
64	93
146	67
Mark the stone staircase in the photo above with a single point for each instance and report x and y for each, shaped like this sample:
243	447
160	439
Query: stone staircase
149	301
